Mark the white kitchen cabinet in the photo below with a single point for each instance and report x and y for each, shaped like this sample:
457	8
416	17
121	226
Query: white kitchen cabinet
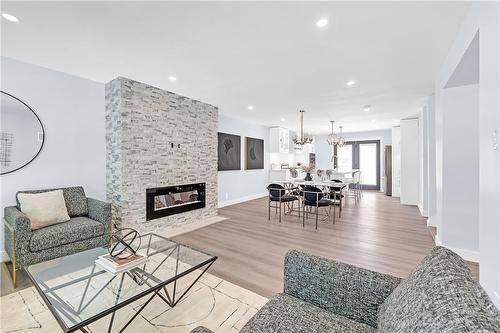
279	140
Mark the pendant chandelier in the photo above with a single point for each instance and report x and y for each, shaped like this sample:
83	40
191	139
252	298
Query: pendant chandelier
302	140
333	139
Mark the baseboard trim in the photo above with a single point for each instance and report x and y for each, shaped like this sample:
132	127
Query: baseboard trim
465	254
431	222
422	210
4	257
240	200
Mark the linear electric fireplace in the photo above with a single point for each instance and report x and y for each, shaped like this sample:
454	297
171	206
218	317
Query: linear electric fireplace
165	201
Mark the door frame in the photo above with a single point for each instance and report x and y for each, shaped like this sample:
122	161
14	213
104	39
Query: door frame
355	160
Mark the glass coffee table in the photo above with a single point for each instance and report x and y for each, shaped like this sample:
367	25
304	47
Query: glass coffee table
78	292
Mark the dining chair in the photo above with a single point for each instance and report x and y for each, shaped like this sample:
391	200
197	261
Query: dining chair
278	195
336	193
360	187
352	188
314	197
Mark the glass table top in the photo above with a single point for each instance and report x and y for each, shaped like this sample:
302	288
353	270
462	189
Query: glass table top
79	292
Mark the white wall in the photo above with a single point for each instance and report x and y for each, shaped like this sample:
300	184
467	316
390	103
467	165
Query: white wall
72	112
409	161
431	161
483	17
396	161
423	188
240	185
324	150
459	227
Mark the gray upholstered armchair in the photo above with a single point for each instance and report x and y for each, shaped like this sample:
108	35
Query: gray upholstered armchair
322	295
89	227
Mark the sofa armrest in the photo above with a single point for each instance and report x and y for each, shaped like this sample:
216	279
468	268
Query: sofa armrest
343	289
16	222
201	329
100	211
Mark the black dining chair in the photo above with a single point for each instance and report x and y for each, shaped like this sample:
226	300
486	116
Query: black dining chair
278	195
314	197
336	193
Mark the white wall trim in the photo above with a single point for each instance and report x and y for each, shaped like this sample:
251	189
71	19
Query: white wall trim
4	257
242	199
465	254
431	221
422	211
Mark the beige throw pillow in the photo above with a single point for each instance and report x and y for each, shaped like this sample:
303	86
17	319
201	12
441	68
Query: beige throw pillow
44	209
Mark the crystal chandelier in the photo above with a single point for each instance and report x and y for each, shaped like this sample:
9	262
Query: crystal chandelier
333	139
303	139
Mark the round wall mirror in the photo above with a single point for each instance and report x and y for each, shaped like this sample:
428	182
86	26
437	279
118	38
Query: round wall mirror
21	134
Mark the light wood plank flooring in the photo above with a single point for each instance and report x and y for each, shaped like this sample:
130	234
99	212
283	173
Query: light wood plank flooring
378	234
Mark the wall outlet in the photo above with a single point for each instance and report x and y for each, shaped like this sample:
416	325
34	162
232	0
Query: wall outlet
227	196
496	143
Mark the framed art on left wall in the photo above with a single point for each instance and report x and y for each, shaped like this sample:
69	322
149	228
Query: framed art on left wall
228	152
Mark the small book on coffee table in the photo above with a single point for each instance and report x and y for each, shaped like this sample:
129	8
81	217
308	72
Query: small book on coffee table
116	265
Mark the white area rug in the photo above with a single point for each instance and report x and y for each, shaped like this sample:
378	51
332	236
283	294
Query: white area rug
214	303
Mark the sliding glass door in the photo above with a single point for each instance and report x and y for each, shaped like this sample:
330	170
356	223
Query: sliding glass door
362	155
344	158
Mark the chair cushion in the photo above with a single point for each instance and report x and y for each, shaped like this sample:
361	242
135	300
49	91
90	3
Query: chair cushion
284	198
75	198
440	296
284	313
321	203
76	229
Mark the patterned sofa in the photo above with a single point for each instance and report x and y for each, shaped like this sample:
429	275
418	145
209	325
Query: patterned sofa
89	227
321	295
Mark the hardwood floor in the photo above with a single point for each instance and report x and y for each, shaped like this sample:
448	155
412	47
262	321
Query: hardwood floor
378	234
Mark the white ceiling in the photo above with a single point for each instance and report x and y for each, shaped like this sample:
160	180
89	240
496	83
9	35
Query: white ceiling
270	55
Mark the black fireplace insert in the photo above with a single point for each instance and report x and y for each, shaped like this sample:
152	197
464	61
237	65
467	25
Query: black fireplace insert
165	201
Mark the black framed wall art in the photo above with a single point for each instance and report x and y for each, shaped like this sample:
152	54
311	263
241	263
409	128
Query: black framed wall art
254	154
228	151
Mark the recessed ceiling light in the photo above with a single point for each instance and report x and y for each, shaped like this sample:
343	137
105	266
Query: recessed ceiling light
172	78
10	17
283	119
351	83
250	107
367	108
373	120
322	23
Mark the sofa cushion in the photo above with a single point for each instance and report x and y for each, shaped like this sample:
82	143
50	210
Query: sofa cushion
284	313
43	209
76	229
440	296
76	201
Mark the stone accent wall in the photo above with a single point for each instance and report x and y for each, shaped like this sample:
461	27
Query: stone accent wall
141	124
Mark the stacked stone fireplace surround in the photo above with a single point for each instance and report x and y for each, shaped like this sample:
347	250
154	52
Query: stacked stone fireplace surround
156	138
